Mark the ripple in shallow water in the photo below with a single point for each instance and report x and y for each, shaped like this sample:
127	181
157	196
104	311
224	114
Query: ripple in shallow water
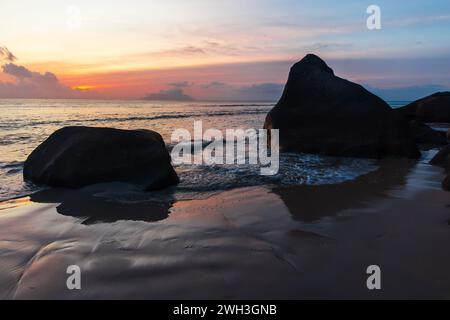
202	181
295	169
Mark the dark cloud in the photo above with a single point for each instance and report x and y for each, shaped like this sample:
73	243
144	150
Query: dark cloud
213	84
330	46
182	51
174	94
202	48
30	84
190	50
6	55
180	84
21	73
217	90
262	91
16	71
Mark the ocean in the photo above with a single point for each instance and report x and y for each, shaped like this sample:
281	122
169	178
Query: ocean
24	124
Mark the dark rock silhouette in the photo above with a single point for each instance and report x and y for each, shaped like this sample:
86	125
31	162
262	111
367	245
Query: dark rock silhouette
79	156
324	114
424	135
442	158
446	183
433	108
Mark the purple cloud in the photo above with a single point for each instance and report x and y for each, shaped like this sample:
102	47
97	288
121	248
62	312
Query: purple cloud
16	71
30	84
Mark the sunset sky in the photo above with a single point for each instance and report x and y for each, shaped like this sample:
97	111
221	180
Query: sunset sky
216	50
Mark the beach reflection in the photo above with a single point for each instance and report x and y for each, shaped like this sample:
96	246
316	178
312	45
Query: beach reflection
308	203
93	209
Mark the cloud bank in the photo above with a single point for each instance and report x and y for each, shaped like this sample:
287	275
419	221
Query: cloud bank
30	84
175	93
262	92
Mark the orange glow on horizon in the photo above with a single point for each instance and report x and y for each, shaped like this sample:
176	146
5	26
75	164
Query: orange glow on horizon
83	87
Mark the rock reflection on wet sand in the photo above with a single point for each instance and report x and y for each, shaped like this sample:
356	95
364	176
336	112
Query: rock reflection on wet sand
256	242
311	203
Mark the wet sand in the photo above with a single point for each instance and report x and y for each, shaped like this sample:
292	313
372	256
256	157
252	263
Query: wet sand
249	243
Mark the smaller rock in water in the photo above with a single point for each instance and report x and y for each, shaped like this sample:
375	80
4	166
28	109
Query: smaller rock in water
433	108
442	158
79	156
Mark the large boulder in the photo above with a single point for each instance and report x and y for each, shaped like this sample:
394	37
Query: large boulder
433	108
324	114
79	156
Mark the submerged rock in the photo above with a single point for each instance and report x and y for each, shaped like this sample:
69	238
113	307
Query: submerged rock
433	108
79	156
324	114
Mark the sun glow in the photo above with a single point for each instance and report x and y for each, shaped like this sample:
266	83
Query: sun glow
83	87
